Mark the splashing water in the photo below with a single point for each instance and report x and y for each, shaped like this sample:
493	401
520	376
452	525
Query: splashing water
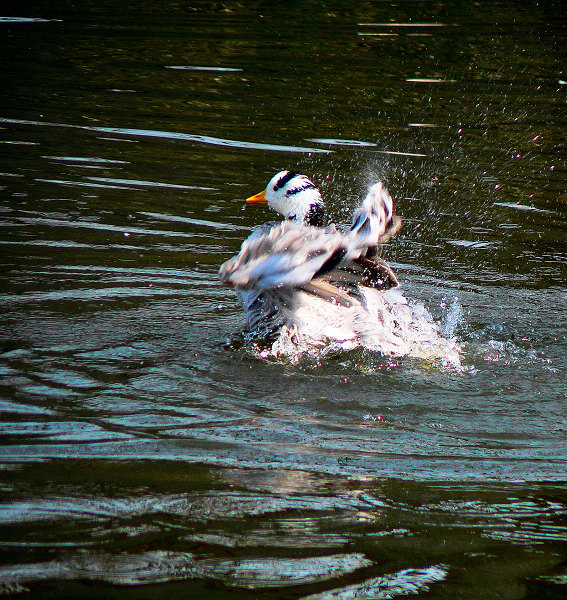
390	324
453	318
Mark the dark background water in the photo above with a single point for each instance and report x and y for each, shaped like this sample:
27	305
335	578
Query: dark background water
146	452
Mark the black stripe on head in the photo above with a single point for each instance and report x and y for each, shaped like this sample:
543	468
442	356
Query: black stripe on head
287	176
308	186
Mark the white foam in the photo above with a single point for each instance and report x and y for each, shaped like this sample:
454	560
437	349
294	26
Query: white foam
389	324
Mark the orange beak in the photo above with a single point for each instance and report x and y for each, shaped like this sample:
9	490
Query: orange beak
258	198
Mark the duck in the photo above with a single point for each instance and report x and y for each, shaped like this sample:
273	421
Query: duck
310	285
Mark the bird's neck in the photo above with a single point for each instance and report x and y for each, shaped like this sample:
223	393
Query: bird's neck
315	215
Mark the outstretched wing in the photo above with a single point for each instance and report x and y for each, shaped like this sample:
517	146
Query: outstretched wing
287	254
373	217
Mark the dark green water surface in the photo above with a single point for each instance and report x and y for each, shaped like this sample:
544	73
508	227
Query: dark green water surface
146	451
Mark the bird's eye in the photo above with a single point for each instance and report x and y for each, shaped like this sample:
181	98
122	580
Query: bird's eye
275	188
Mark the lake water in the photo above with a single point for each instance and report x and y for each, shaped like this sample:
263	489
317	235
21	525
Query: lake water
148	451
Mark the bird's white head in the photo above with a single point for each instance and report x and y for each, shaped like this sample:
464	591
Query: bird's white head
294	196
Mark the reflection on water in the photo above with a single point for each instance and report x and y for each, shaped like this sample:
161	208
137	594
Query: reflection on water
143	441
259	529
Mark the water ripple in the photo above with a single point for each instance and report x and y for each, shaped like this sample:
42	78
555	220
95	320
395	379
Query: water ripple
80	184
385	587
87	159
59	431
173	135
524	207
91	294
154	184
25	20
339	142
191	221
163	566
106	227
206	69
196	507
406	24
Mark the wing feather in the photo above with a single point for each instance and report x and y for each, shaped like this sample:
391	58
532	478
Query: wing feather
289	254
372	217
293	254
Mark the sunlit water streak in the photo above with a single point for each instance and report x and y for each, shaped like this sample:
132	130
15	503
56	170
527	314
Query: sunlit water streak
24	20
206	69
171	135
